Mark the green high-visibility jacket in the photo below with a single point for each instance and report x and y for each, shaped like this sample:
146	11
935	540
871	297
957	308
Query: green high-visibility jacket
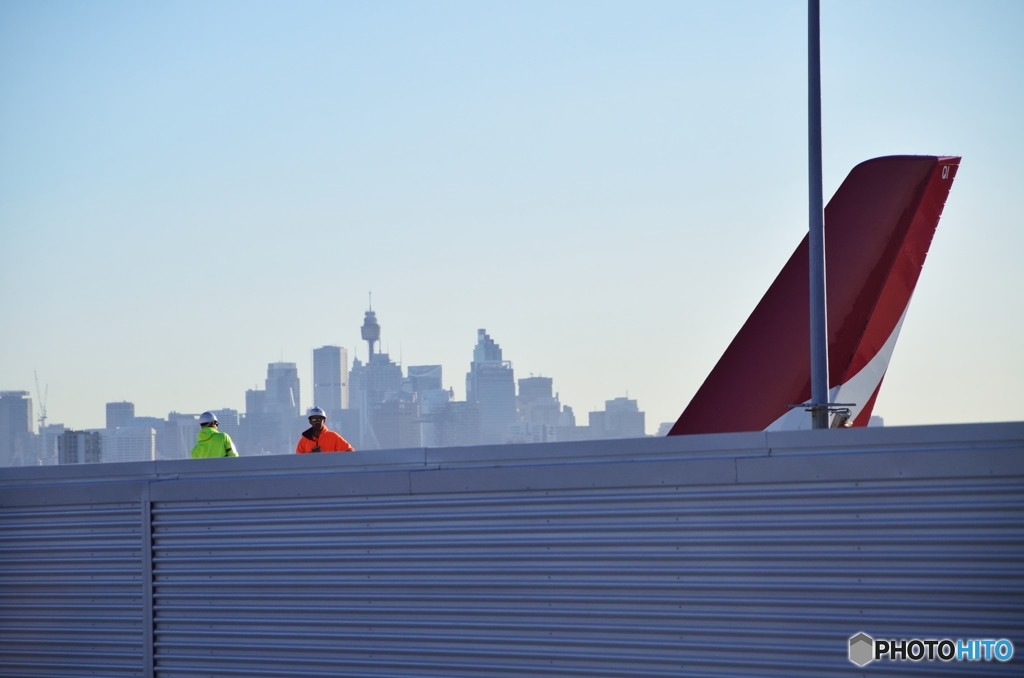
212	443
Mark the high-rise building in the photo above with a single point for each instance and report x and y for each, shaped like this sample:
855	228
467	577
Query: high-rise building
457	424
229	421
422	378
432	405
275	420
80	447
372	384
347	424
621	418
532	388
566	420
17	443
49	436
255	401
395	424
536	403
257	436
152	422
129	443
119	414
539	412
330	378
273	416
178	437
374	381
282	386
424	384
491	385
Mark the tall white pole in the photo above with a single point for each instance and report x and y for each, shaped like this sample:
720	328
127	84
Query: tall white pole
816	234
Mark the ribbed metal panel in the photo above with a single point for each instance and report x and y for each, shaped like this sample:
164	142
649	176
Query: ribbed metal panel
724	556
71	594
710	581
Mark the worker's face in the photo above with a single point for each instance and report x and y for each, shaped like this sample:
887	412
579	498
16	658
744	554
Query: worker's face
316	422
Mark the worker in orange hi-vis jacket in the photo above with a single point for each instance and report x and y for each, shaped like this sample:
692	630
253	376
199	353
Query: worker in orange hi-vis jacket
318	438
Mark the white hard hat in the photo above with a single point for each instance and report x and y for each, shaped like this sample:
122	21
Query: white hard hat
316	412
207	418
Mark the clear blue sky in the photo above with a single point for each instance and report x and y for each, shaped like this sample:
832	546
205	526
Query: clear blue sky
190	190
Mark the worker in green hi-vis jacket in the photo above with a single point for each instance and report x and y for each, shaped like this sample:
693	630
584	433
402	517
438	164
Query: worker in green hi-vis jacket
210	442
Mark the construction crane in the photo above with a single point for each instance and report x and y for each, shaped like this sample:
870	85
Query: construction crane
42	401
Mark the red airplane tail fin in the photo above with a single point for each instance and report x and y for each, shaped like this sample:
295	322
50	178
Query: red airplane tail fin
878	227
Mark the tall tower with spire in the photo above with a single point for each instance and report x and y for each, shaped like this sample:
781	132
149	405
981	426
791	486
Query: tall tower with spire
370	331
373	383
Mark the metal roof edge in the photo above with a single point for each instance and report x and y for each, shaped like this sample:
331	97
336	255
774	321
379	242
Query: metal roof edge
756	457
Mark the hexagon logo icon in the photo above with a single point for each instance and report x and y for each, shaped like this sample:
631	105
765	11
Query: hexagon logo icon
862	649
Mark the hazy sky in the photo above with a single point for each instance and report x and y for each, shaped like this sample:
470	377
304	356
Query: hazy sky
189	191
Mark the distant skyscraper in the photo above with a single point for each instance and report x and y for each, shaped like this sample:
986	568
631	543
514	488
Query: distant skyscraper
17	444
129	443
621	418
432	405
283	389
178	437
491	385
330	378
48	438
155	423
373	382
119	414
424	384
532	388
256	438
625	418
80	447
457	424
423	378
542	417
273	419
229	421
395	424
255	401
540	412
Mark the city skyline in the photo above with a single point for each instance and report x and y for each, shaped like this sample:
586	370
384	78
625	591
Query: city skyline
124	409
391	408
189	192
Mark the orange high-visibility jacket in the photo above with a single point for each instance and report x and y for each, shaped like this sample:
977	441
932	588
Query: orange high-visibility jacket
325	441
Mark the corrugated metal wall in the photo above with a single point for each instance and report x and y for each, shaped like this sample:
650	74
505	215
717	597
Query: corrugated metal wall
710	556
71	591
717	581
